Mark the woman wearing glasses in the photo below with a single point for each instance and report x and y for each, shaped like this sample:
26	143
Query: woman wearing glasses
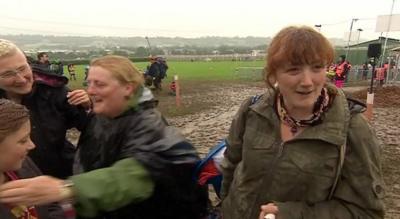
130	163
53	109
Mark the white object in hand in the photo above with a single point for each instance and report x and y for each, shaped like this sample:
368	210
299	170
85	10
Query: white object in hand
269	216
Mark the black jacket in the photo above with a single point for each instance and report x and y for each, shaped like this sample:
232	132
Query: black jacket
51	117
154	70
52	211
169	158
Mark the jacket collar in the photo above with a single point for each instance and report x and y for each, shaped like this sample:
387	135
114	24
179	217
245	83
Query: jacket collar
50	80
333	128
44	75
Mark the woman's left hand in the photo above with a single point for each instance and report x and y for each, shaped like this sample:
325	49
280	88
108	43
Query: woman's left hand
79	97
269	208
32	191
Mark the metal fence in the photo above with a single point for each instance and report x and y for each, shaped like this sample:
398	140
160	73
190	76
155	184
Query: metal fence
357	75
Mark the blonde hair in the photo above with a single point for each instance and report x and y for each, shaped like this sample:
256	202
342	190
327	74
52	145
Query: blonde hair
121	68
12	117
7	48
298	46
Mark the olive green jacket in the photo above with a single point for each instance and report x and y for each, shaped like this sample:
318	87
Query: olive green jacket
108	189
298	175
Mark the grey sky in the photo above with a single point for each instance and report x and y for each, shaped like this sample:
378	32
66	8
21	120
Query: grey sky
190	18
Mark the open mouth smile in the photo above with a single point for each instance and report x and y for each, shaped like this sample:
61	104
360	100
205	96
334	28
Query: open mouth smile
304	92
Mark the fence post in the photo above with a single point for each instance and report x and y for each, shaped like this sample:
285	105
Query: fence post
177	92
369	113
370	96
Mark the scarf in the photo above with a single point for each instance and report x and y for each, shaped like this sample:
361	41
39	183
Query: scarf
21	211
321	105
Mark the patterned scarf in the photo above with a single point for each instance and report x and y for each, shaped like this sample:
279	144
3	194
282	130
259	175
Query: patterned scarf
321	105
21	211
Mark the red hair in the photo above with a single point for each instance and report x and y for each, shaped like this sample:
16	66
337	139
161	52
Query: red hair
297	46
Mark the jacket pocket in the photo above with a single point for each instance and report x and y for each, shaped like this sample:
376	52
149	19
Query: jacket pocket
314	175
315	162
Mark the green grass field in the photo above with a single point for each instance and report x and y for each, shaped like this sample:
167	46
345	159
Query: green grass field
195	71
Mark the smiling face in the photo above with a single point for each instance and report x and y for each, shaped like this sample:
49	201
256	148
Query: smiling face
297	61
112	83
109	96
15	74
15	147
300	85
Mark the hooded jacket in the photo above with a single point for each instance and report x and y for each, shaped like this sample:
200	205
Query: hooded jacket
298	175
51	117
145	169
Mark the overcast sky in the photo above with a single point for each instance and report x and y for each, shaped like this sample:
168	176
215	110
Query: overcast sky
188	18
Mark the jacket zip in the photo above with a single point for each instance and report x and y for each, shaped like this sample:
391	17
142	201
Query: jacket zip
280	147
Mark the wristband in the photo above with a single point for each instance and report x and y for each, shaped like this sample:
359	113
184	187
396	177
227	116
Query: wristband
66	190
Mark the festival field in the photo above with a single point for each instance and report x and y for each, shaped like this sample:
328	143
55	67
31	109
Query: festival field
213	91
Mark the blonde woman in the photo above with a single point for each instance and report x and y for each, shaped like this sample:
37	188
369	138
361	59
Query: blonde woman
134	166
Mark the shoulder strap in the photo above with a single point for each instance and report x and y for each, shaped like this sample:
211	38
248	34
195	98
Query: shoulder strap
254	99
342	155
11	175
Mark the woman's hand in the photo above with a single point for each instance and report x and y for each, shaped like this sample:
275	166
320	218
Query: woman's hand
269	208
79	97
33	191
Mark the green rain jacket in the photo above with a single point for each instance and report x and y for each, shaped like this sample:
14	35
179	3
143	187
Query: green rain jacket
298	175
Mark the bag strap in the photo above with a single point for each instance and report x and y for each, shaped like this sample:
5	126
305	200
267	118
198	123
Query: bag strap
342	148
254	99
342	153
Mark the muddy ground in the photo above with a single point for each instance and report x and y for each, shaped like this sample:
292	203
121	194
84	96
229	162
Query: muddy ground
208	108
